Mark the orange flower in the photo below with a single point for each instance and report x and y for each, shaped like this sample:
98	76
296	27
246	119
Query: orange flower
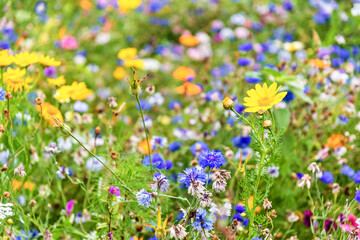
143	147
49	111
319	63
336	140
189	89
189	40
183	73
86	5
27	185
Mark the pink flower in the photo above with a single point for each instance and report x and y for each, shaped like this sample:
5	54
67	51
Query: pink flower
115	191
69	207
350	224
69	42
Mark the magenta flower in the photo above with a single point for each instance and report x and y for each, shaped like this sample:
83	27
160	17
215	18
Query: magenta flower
69	42
115	191
69	207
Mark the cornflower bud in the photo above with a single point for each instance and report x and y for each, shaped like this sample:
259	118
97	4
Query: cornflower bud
266	124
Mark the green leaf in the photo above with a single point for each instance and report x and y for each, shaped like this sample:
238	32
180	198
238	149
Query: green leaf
282	118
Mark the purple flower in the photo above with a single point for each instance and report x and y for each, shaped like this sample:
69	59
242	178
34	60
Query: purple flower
308	218
211	159
245	47
327	177
115	191
244	62
2	94
347	171
160	182
50	71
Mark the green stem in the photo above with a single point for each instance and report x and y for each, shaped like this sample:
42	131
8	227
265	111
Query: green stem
106	166
252	127
261	166
146	133
173	197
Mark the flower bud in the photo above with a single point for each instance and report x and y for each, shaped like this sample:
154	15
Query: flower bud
6	194
8	96
10	221
32	203
97	131
266	124
228	103
39	101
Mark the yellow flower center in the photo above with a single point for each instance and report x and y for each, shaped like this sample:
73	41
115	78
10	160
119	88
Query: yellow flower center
265	101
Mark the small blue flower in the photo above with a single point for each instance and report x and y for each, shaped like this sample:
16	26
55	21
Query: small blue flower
357	196
145	105
241	141
157	161
327	177
273	171
80	107
175	146
356	177
198	147
143	198
203	222
192	175
245	47
211	159
214	95
244	62
174	104
240	208
290	96
2	94
347	171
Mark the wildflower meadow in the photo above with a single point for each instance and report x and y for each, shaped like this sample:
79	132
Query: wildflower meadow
180	119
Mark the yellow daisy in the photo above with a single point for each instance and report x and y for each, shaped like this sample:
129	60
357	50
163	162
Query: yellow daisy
263	98
76	91
56	81
5	58
49	111
127	53
48	61
119	73
13	78
25	59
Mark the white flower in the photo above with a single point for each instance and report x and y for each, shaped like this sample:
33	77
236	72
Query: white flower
196	188
221	210
314	168
6	210
178	232
156	99
20	170
305	180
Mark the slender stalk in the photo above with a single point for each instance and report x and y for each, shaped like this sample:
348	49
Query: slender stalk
146	133
106	166
173	197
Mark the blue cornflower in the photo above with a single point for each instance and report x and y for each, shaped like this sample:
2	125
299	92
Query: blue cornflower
239	108
257	238
174	146
273	171
327	177
240	208
290	96
287	5
347	171
214	95
160	182
241	141
211	159
40	8
145	105
357	196
244	62
203	222
198	147
157	161
342	119
356	177
245	47
238	217
173	104
192	175
80	106
143	198
2	94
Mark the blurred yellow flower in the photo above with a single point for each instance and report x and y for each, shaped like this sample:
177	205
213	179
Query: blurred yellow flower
25	59
13	78
126	5
49	111
127	53
136	63
293	46
263	98
56	81
48	61
5	58
119	73
76	91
